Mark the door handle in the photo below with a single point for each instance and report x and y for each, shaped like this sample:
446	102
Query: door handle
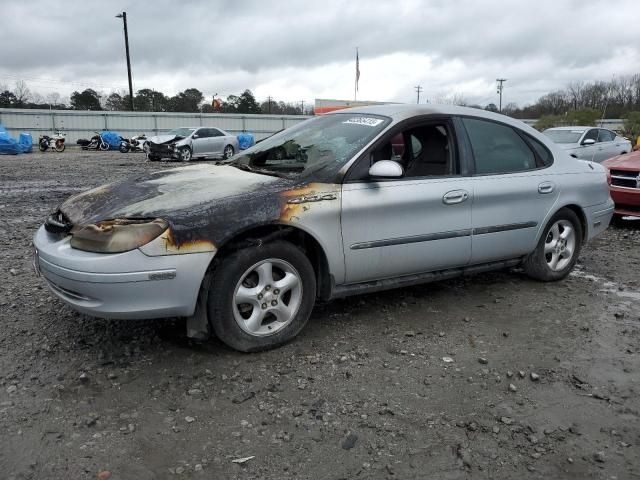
455	196
546	187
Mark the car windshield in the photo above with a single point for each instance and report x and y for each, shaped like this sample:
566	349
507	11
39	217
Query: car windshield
181	132
564	136
323	143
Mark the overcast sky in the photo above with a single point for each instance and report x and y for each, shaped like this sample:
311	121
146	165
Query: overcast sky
295	50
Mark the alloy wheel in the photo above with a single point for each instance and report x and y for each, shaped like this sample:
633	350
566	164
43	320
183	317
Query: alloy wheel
560	245
267	297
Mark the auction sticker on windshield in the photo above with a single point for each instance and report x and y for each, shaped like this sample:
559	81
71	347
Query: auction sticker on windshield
368	121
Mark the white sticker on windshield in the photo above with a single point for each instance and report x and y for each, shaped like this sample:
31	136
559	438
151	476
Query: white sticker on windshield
368	121
577	131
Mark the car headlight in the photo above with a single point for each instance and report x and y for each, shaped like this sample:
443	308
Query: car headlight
117	235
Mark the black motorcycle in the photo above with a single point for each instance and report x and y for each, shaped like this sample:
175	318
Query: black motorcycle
96	143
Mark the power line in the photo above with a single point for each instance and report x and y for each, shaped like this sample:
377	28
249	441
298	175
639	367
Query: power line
418	89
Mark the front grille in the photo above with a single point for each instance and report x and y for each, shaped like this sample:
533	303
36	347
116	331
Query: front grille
160	148
58	223
622	178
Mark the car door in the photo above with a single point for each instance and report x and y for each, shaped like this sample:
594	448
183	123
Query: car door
418	223
217	142
513	189
199	143
589	151
606	146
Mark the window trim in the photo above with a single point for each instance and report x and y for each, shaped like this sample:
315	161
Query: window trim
400	127
522	134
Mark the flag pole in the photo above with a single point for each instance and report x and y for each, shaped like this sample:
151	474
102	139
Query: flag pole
355	87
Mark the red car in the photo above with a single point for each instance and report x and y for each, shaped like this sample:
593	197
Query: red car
624	181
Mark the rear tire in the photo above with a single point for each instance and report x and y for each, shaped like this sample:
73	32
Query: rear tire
261	297
43	145
59	147
228	152
103	146
558	248
124	147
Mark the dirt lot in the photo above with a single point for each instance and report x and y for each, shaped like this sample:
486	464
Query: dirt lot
494	376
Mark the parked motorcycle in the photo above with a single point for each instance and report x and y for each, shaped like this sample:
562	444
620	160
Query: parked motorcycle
55	142
96	143
133	144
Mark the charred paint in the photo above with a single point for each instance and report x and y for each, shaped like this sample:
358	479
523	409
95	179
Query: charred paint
297	201
172	245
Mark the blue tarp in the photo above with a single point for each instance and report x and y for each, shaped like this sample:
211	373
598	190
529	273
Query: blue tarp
246	140
25	142
112	138
8	146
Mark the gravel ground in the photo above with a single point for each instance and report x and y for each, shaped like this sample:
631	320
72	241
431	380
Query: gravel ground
494	376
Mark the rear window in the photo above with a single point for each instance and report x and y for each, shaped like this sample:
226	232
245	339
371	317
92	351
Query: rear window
497	148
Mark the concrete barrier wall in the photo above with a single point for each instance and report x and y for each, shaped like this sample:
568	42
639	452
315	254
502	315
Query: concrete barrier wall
82	124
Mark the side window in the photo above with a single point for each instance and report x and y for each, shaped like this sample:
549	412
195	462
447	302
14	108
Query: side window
497	148
606	135
542	152
591	135
214	132
202	133
423	151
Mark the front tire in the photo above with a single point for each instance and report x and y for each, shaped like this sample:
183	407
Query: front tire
184	154
104	146
558	248
124	147
261	297
59	147
43	145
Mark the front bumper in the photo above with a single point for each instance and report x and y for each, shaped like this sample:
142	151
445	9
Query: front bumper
162	150
120	285
627	200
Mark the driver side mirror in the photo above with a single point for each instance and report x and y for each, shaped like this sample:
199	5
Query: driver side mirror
386	169
195	135
588	141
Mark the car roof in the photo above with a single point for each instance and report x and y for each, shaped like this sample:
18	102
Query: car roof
577	127
403	111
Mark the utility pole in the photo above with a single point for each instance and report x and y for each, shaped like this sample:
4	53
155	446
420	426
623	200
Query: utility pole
499	91
269	102
123	16
302	107
418	89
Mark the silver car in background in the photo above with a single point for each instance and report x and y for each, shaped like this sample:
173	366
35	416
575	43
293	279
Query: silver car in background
186	143
589	143
355	201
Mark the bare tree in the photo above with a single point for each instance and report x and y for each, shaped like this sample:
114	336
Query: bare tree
22	92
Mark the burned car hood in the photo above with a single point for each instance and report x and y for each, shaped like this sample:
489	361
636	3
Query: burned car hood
164	138
201	202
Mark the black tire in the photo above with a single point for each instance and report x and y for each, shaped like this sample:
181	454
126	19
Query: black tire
227	276
184	154
43	145
59	147
124	147
536	264
104	146
152	157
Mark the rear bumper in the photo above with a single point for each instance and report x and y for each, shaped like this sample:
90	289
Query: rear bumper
627	200
123	285
598	218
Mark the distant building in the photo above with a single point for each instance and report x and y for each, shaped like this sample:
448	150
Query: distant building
324	105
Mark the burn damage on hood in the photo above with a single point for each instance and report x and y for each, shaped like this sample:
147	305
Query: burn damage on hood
203	204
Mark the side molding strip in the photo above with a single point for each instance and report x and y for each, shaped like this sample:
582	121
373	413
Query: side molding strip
442	235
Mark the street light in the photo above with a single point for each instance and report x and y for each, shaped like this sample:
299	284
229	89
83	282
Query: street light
123	16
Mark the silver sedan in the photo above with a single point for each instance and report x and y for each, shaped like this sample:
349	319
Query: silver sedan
192	142
589	143
355	201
